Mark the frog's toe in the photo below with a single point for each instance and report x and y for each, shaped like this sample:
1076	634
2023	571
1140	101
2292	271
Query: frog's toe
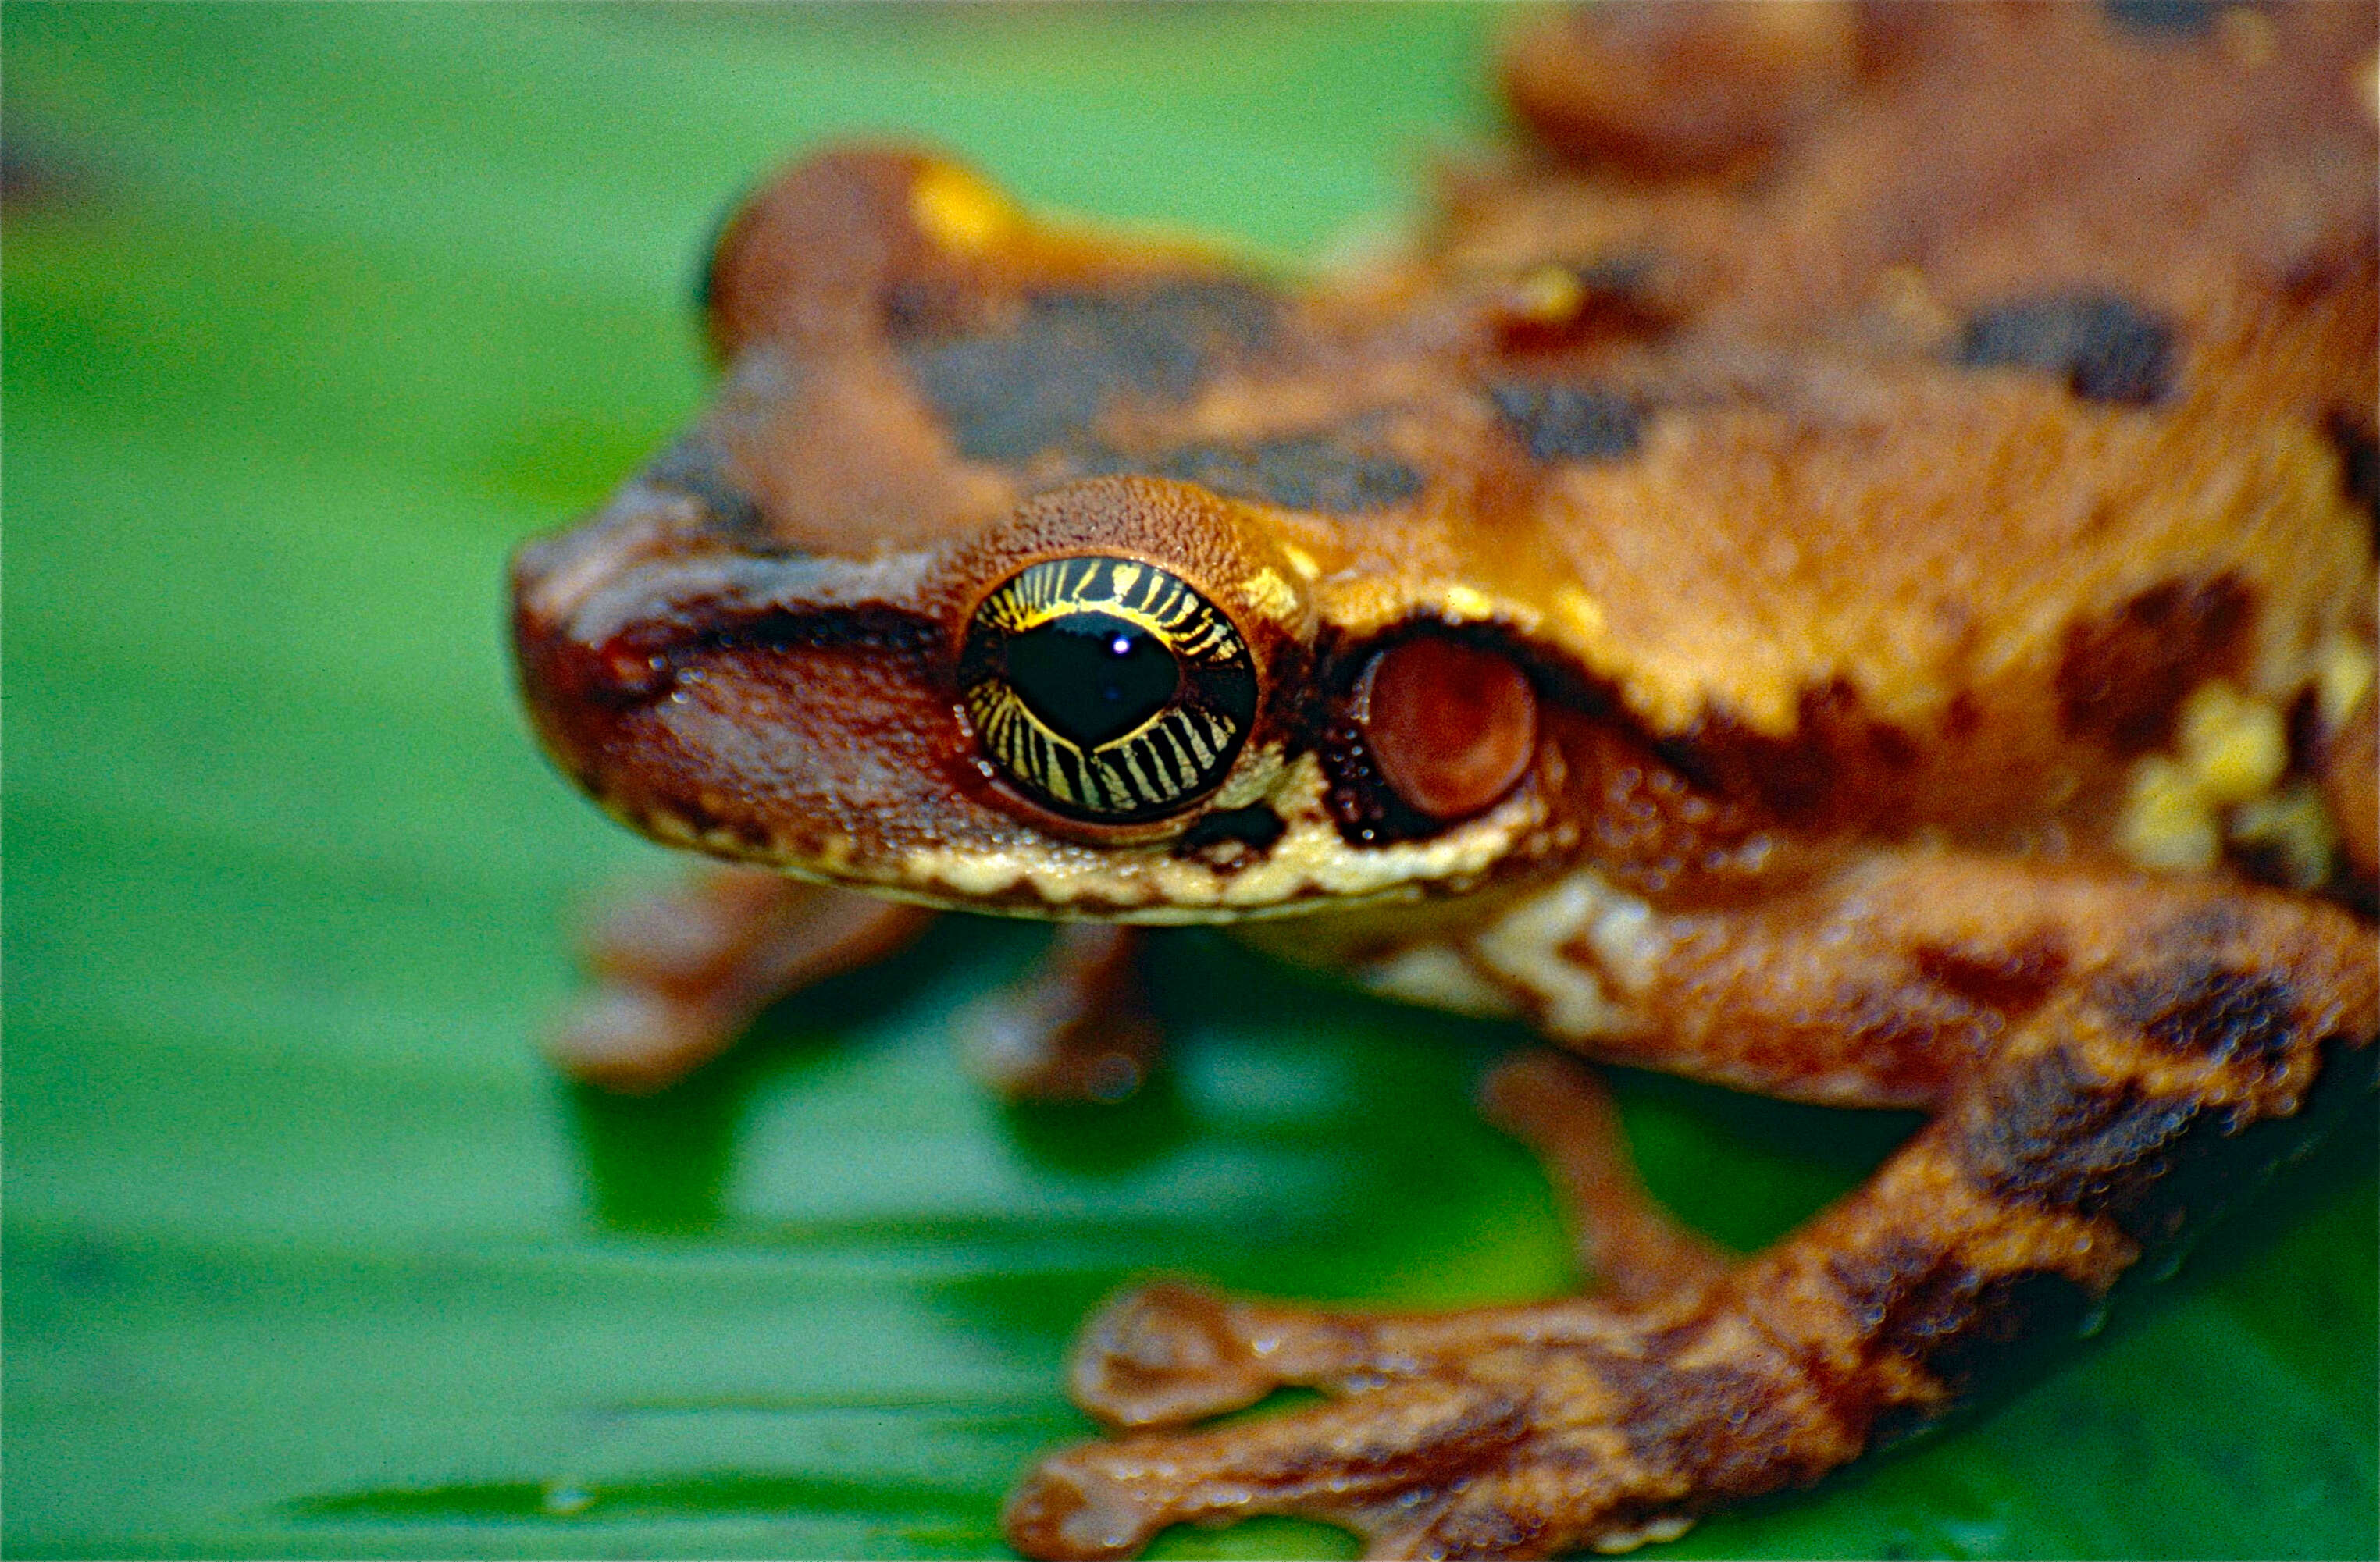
1168	1353
1172	1352
1388	1463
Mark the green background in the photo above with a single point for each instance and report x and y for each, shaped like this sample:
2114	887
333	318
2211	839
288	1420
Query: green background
310	315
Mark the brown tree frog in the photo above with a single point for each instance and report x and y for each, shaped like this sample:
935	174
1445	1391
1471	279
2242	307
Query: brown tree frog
1845	569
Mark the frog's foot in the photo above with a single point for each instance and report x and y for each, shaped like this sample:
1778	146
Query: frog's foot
1075	1028
1513	1432
1632	1246
679	974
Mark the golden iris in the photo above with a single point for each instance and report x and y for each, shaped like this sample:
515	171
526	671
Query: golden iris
1107	689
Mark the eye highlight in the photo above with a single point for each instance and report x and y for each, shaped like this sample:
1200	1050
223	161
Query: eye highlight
1107	690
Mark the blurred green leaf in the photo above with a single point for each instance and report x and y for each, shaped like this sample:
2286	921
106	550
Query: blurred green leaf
310	314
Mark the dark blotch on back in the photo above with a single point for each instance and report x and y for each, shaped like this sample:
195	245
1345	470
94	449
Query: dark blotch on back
1561	422
1722	1423
1011	394
1841	765
2205	1008
1318	472
2105	349
2122	677
2359	459
2178	18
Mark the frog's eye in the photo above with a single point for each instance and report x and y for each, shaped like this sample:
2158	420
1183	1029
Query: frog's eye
1107	689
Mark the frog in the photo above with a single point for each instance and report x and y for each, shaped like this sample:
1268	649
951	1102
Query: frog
1839	565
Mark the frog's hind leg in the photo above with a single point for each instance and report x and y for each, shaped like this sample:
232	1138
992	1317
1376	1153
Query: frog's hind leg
679	974
2088	1129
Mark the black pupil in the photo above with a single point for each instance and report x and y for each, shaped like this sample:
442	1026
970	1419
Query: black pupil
1092	677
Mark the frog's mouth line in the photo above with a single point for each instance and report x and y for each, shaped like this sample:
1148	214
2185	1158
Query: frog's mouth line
1308	867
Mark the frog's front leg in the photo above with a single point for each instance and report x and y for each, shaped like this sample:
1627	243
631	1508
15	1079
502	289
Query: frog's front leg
2064	1143
678	974
1076	1027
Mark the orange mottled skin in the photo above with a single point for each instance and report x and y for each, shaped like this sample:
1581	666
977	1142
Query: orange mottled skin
1819	575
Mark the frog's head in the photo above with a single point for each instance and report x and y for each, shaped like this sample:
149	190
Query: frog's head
1119	702
910	610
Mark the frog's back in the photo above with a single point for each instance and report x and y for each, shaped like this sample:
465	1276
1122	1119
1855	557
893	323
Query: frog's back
2002	371
1958	329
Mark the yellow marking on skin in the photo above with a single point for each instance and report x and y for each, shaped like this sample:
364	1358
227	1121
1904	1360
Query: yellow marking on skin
1646	1532
1463	604
960	212
1436	977
1529	948
2167	822
1582	610
1550	294
982	874
1301	561
1725	1340
1624	940
1272	596
2235	747
663	825
2345	677
1149	884
2231	750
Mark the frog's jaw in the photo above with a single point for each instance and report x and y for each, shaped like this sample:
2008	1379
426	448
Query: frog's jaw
1309	865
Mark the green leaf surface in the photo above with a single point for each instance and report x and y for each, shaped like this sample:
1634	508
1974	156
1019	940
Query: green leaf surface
310	315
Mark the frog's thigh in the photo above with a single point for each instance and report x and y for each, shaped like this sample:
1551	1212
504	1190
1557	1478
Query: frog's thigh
1523	1431
1888	984
677	976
